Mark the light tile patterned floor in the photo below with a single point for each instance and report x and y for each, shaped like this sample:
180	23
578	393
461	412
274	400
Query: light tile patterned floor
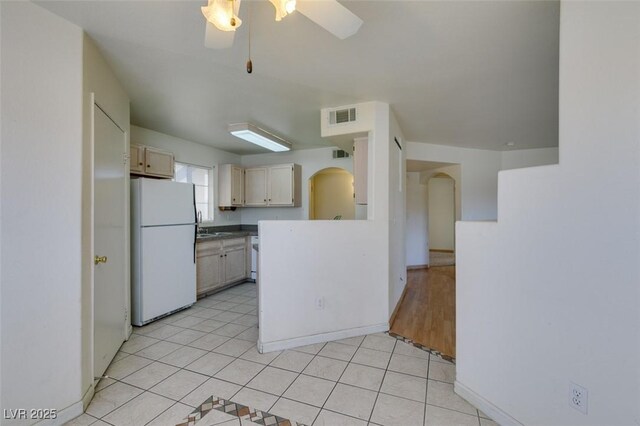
169	368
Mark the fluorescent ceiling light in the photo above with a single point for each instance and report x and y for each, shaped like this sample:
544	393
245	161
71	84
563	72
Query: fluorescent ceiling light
260	137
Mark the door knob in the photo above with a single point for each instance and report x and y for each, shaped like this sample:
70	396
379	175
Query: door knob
100	259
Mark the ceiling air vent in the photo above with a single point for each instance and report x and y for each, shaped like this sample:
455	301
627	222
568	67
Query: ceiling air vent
340	116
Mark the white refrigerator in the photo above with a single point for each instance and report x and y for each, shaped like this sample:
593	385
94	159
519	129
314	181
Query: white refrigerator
163	244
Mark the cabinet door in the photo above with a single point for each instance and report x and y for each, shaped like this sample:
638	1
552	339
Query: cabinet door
208	266
158	163
255	187
136	159
237	186
235	266
281	185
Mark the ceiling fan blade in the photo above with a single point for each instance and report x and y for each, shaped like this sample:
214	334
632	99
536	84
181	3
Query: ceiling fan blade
216	39
330	15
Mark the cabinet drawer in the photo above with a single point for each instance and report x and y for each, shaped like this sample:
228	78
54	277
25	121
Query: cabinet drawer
234	242
206	248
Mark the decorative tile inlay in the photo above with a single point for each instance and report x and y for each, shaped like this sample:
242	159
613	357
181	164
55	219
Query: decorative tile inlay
241	411
424	348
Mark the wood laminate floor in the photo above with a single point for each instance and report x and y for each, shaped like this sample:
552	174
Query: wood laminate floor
427	314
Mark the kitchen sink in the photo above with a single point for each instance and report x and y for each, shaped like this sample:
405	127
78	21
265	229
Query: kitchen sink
215	234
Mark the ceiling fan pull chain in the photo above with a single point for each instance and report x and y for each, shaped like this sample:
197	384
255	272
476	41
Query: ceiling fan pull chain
249	63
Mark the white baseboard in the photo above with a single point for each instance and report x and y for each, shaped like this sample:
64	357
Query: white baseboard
88	396
64	415
279	345
488	408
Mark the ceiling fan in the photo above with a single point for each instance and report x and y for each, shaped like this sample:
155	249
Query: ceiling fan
222	18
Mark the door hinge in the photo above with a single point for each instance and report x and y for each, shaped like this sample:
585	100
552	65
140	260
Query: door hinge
125	157
126	315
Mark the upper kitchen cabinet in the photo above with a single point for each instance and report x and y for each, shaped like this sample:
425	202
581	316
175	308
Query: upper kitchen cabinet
273	186
231	186
262	186
147	161
284	187
136	158
255	185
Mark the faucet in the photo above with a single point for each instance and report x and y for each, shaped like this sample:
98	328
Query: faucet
199	221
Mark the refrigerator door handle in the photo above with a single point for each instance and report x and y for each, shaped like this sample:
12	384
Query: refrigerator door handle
195	232
195	210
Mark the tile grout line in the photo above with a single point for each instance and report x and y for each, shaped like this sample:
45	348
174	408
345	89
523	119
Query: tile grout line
150	359
169	408
382	382
264	366
426	392
290	384
338	380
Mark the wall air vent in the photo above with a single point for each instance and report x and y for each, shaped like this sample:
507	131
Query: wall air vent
341	116
340	153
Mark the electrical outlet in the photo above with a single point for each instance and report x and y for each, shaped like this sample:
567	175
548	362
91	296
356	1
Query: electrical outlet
579	398
320	303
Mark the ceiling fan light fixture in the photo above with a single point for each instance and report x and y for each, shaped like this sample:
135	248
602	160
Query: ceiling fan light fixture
222	14
283	8
258	136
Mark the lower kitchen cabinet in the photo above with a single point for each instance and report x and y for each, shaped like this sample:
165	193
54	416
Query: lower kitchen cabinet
208	266
221	262
235	260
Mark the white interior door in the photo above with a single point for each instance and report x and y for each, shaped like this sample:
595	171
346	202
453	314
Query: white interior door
110	241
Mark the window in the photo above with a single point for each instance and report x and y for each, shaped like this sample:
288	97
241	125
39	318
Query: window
200	177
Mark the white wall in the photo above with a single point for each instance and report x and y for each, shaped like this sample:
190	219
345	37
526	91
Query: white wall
358	257
416	235
479	175
193	153
455	172
1	207
479	172
549	294
41	79
312	161
480	180
98	78
332	195
302	261
397	183
520	158
441	213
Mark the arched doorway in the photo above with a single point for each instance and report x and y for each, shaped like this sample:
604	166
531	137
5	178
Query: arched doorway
331	195
441	217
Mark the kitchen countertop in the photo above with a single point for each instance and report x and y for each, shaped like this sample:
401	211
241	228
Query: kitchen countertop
225	235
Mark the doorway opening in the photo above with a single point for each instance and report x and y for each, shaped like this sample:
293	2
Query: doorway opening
426	311
441	217
331	195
